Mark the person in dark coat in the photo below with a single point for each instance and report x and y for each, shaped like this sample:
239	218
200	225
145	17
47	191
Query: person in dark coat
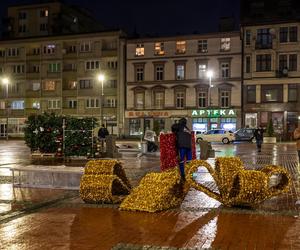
184	143
102	132
259	137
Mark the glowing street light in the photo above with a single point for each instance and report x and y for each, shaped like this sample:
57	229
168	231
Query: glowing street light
101	78
5	81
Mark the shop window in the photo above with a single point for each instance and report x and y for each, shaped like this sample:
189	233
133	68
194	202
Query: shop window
292	93
251	94
277	118
251	120
158	125
139	100
228	124
135	127
272	93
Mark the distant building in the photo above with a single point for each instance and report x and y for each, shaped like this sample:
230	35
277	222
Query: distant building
167	79
47	18
271	72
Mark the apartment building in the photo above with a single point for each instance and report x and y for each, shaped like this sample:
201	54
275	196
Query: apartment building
167	79
47	18
271	75
60	74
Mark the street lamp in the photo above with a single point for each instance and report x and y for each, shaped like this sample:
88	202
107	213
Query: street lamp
209	74
5	81
101	80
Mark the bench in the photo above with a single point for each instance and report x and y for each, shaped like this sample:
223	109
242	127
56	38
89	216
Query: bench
41	176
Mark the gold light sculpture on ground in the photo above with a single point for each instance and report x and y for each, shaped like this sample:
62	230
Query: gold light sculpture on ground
156	192
104	181
237	186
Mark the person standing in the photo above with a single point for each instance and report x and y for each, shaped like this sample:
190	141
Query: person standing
259	137
184	144
102	132
297	138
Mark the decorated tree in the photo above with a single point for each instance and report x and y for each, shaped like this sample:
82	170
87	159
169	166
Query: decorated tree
270	128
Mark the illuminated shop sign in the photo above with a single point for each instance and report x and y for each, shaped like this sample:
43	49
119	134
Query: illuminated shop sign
214	113
132	114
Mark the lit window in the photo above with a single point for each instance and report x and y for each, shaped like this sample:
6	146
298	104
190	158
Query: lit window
159	49
44	13
202	68
72	85
36	105
140	50
225	44
180	72
49	49
17	105
36	86
180	47
49	85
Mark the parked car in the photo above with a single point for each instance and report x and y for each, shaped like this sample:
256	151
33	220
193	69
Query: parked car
216	135
244	134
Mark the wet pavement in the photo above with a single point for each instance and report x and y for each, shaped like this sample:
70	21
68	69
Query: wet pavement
58	219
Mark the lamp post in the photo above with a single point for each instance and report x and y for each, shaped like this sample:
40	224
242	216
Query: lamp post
5	81
101	80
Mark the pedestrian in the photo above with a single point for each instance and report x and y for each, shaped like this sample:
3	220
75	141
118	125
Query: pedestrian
297	138
259	137
184	144
102	132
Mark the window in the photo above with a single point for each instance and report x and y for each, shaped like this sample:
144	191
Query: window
251	94
85	47
72	85
202	46
54	104
92	103
2	104
36	105
92	65
139	100
135	127
264	39
13	52
288	34
202	68
36	86
225	44
263	62
225	98
36	51
248	37
111	83
17	104
159	72
44	13
111	102
180	71
288	62
292	93
43	27
180	99
72	104
112	64
49	85
18	69
54	67
159	49
85	84
180	47
202	98
248	64
139	73
2	53
272	93
159	99
22	15
225	71
14	88
36	68
71	49
22	28
49	49
140	50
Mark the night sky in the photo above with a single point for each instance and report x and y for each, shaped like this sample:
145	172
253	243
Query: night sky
155	17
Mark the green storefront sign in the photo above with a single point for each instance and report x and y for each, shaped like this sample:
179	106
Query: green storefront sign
214	113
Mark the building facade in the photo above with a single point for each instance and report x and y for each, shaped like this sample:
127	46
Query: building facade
166	79
60	74
271	75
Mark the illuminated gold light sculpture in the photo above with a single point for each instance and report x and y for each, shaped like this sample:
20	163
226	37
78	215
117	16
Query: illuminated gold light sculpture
104	181
237	186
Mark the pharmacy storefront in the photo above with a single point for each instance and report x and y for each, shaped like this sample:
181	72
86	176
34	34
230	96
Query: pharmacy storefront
207	119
